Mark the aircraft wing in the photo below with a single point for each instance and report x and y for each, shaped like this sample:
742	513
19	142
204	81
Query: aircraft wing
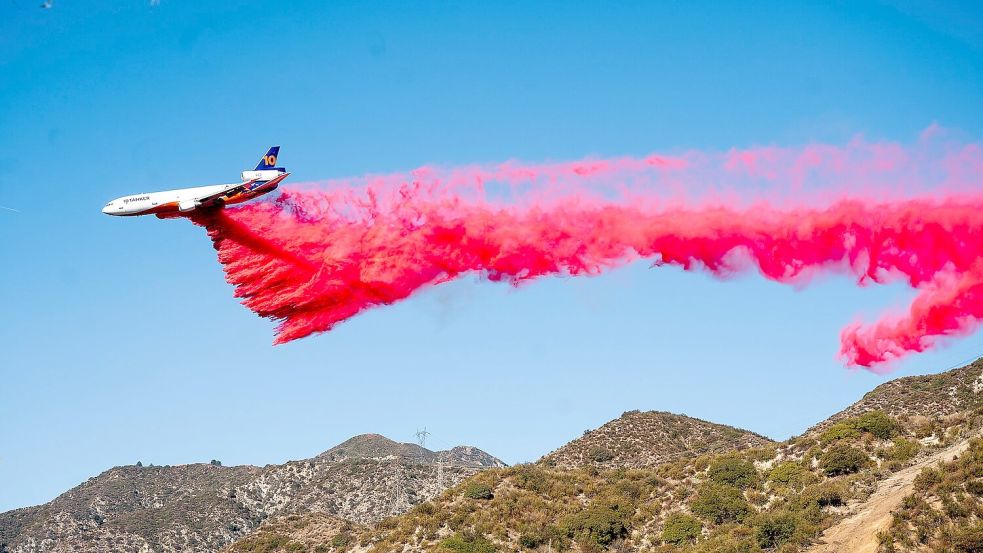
213	199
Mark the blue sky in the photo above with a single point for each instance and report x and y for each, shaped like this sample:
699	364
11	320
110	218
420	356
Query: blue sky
122	342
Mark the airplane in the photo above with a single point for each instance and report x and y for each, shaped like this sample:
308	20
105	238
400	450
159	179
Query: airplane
177	203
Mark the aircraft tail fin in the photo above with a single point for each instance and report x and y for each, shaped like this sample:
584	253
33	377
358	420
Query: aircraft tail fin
269	160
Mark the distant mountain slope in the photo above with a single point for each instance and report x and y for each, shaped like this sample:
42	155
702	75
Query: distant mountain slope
646	439
200	508
374	446
183	508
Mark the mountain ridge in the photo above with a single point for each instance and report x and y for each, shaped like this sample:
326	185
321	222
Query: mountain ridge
201	507
766	497
619	487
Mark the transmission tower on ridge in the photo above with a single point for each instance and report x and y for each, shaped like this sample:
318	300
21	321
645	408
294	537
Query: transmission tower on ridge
399	500
440	475
421	437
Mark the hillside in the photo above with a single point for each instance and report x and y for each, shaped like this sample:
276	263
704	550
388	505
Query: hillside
919	399
190	507
648	481
647	439
864	530
944	509
202	507
738	494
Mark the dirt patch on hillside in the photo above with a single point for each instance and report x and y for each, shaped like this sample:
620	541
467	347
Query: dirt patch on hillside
858	532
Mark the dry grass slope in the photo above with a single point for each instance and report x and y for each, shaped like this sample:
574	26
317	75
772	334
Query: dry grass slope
647	439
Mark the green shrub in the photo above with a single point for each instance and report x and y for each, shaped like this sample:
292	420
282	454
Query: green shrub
772	530
341	540
600	454
843	459
529	477
425	509
975	487
879	424
733	471
680	528
478	490
601	524
968	540
839	431
735	541
817	496
927	479
551	535
901	450
467	543
720	503
267	543
791	475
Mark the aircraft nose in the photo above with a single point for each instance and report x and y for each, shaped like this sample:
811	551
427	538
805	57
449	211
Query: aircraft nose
108	209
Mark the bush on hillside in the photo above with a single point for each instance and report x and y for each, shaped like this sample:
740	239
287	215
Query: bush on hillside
842	430
878	423
551	536
843	459
773	530
720	503
467	543
737	540
681	528
975	487
530	477
968	540
601	524
600	454
733	471
928	478
901	450
477	490
791	475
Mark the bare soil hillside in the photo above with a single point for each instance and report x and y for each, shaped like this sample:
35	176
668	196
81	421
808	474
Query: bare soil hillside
857	533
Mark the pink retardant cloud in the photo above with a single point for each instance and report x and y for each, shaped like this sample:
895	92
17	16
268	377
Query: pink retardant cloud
320	254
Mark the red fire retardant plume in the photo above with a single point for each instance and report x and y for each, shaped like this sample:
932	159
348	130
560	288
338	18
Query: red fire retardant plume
319	255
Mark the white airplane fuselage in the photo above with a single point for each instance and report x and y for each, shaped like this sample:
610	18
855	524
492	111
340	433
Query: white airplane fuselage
173	203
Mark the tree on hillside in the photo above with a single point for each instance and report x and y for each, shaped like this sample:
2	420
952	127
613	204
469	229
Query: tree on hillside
843	459
734	472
